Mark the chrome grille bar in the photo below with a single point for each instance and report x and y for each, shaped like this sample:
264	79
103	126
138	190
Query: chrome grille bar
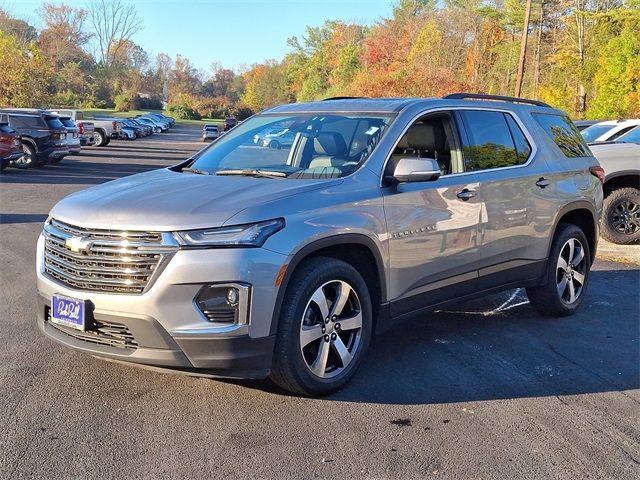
104	260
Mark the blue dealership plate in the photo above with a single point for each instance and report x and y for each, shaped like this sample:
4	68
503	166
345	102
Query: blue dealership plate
67	312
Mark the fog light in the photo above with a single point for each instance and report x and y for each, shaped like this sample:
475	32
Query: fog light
224	303
232	296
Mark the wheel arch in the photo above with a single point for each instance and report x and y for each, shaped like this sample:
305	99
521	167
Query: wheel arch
356	249
583	215
30	141
622	179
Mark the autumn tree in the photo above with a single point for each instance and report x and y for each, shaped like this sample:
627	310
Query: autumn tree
25	73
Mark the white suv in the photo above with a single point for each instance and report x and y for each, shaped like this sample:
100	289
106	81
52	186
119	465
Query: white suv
609	130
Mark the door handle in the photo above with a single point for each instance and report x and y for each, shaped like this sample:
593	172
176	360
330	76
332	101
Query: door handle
543	182
466	194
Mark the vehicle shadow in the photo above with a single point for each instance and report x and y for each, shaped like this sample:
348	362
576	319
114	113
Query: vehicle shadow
7	218
489	349
72	171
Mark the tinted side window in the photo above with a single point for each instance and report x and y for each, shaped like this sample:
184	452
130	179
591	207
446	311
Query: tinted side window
25	121
632	137
619	133
490	143
564	133
523	149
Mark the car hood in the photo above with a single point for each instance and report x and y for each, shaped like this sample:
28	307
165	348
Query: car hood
164	200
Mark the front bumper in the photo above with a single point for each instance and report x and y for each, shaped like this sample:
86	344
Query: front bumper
169	330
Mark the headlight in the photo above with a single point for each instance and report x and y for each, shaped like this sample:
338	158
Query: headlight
249	235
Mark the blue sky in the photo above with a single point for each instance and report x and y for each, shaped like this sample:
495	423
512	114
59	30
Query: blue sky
231	32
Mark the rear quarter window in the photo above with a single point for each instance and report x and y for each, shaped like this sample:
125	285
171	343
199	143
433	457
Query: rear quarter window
54	123
26	121
564	134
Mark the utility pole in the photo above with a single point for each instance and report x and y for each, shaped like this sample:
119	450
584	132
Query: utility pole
523	49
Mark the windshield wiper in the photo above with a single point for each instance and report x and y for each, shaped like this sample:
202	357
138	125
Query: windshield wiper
253	172
197	171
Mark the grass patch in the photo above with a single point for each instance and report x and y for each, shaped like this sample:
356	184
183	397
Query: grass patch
89	112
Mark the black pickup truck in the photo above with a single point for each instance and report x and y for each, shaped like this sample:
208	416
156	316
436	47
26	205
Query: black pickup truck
42	134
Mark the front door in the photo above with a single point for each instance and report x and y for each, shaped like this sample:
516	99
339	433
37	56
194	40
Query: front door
432	226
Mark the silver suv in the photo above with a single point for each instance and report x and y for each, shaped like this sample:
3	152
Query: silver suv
247	261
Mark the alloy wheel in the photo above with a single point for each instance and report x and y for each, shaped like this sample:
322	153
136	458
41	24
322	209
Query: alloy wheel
625	217
331	329
27	158
571	271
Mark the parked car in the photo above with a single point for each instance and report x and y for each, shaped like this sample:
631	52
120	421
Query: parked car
135	130
10	145
258	138
210	132
621	210
154	123
279	140
582	124
104	128
146	129
43	136
609	130
283	264
170	120
163	123
632	136
73	135
85	127
229	123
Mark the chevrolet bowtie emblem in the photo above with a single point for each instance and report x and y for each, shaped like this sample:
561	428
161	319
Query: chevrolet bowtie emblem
77	244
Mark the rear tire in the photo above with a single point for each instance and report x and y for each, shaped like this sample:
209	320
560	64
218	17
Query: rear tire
318	347
567	276
101	139
621	216
274	144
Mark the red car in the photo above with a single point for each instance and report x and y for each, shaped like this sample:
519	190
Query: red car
229	123
10	145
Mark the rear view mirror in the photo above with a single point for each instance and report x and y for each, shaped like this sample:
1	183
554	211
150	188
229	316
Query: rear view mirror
415	170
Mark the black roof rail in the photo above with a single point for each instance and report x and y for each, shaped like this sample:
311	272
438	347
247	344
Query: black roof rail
502	98
341	98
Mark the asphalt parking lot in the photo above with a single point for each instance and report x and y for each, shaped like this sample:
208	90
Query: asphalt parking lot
489	389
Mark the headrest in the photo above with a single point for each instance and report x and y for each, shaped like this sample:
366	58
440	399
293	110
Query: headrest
421	136
330	143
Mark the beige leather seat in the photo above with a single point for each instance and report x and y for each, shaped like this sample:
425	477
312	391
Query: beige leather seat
330	150
421	141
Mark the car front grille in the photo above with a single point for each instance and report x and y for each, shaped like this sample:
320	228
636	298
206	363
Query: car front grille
110	334
109	261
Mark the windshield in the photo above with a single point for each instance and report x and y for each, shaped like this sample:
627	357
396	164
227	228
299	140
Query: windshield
305	145
591	133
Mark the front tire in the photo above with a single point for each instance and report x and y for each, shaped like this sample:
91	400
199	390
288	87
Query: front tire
568	270
29	159
621	216
274	144
324	330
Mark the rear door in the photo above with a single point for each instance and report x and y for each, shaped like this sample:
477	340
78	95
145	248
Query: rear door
516	202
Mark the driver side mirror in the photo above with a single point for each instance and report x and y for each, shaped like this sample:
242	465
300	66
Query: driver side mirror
414	170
